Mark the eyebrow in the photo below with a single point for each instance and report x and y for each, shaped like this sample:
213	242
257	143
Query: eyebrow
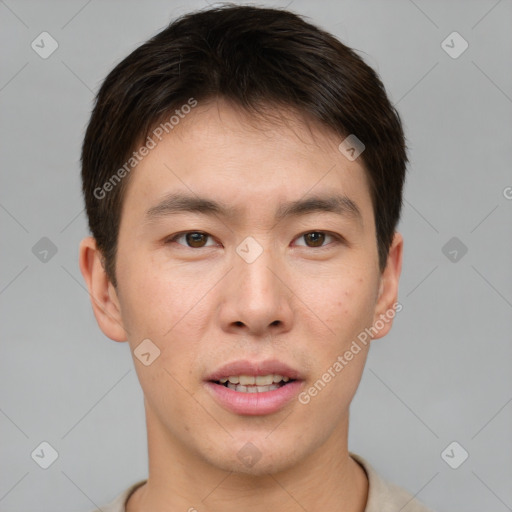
183	203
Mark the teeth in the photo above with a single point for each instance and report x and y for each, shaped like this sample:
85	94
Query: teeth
261	389
252	389
251	380
247	380
264	380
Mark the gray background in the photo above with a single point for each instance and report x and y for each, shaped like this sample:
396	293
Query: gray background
442	374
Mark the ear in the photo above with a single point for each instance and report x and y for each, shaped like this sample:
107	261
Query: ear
105	302
387	301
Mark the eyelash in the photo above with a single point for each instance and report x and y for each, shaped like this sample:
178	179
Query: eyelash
337	238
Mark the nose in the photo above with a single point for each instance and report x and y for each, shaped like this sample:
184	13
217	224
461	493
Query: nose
257	298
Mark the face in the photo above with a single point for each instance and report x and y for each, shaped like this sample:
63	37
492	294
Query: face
247	250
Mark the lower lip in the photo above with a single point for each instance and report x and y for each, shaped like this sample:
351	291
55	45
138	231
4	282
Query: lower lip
254	404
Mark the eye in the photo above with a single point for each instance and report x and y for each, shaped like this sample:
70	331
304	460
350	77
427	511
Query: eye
198	239
193	239
316	238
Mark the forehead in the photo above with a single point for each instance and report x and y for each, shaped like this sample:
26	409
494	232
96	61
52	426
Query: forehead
247	161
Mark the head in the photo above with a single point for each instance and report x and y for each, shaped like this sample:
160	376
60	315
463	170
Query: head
229	222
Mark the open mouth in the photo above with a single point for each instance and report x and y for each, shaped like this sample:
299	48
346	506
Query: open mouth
253	384
254	388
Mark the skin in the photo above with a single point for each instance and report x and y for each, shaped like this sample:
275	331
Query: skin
205	306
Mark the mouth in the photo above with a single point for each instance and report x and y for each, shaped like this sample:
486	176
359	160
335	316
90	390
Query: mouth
254	388
254	384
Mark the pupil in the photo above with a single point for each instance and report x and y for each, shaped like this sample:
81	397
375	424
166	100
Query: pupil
319	238
195	239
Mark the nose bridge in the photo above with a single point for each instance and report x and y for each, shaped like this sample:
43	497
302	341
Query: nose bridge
253	264
257	297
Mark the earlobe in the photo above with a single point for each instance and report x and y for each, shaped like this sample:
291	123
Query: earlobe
104	300
387	300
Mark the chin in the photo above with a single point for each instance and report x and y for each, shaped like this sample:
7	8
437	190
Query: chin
249	460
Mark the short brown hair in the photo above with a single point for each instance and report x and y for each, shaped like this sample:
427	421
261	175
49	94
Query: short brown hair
252	57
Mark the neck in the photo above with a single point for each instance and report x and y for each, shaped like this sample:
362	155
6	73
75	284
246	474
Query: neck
329	479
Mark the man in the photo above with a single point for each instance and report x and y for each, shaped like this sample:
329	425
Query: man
243	173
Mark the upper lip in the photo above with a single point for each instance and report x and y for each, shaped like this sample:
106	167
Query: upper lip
255	368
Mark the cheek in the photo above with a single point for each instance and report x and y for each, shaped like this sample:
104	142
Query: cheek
165	308
153	298
341	359
346	306
146	305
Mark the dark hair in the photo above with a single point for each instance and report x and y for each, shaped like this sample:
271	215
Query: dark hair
253	57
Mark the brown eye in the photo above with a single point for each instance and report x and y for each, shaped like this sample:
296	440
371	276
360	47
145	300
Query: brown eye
316	238
196	239
191	239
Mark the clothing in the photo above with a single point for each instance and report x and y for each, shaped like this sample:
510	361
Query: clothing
383	496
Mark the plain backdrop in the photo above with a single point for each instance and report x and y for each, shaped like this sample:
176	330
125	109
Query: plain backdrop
443	374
